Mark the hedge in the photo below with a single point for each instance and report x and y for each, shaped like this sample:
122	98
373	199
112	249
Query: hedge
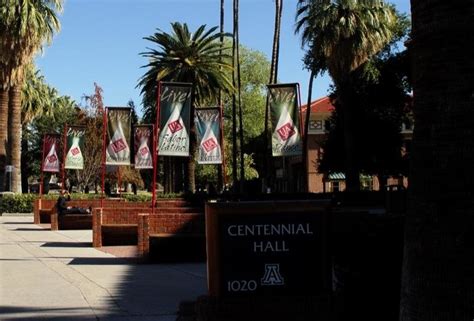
23	203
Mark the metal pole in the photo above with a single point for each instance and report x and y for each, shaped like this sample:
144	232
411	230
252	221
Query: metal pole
104	131
224	171
155	146
41	170
63	169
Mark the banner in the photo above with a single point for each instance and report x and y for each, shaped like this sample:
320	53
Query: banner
208	129
50	153
175	107
285	119
143	145
118	136
74	146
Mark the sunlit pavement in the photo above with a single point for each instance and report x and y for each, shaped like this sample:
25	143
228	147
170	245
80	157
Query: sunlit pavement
57	275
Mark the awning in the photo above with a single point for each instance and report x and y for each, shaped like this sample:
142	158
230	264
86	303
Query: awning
336	176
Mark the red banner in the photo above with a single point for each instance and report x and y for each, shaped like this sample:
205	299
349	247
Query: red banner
50	153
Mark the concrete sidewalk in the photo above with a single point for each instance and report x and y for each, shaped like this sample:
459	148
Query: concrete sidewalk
57	275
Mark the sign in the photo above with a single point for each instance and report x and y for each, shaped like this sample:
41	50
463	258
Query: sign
118	136
267	248
175	109
143	145
285	120
208	128
9	169
74	146
50	153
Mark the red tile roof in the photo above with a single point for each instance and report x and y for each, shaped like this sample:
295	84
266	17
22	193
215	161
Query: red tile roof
320	105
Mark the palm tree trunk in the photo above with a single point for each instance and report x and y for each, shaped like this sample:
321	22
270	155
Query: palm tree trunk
276	42
3	135
348	114
306	131
191	165
234	100
239	101
438	269
273	80
14	134
221	169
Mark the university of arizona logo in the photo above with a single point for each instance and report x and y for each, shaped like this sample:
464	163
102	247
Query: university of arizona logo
119	145
75	151
175	126
272	275
52	158
209	144
286	131
144	151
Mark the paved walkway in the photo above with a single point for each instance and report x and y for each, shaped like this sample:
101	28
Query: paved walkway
57	275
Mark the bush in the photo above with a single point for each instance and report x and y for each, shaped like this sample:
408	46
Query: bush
23	203
17	203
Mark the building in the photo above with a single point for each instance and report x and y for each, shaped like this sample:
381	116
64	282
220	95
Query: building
321	110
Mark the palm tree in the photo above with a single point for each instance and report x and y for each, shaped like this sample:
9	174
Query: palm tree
195	58
25	25
438	270
273	80
342	35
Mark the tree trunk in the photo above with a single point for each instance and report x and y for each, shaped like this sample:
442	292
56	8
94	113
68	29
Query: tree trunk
25	166
3	135
438	267
306	131
350	149
221	168
191	164
14	134
239	101
234	100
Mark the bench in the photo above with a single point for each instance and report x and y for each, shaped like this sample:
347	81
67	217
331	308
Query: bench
70	221
43	209
116	226
172	236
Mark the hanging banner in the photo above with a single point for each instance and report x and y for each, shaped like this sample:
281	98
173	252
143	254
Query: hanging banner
143	145
175	107
285	119
118	136
74	146
208	129
50	153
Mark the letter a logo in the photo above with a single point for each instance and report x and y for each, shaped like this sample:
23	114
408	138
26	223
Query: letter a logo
272	275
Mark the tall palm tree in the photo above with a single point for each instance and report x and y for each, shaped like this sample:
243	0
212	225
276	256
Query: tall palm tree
273	80
183	56
342	35
438	270
25	26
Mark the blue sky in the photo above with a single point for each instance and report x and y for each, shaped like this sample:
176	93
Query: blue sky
100	41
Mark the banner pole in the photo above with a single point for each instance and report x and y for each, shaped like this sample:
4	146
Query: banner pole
41	171
156	146
63	167
104	131
304	137
224	171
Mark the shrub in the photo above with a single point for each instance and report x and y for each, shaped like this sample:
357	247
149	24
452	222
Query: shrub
17	203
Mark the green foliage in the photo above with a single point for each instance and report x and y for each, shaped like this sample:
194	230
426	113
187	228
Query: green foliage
17	203
380	105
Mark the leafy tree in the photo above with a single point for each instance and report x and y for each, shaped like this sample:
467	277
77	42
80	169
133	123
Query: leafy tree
381	104
182	56
255	68
341	36
25	25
